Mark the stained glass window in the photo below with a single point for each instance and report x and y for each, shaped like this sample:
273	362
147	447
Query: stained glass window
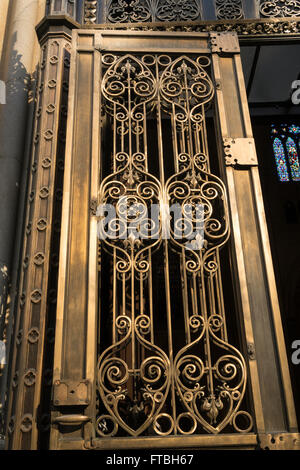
293	159
286	147
279	153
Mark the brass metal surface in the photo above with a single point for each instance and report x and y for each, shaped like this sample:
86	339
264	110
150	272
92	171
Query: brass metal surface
179	88
152	359
251	254
145	388
30	323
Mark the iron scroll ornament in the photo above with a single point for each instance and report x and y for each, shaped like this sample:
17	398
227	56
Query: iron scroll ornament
134	11
229	9
211	384
129	89
136	377
280	8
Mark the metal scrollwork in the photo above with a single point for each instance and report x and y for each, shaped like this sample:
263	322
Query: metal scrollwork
129	89
144	388
211	389
177	10
127	11
210	374
229	9
280	8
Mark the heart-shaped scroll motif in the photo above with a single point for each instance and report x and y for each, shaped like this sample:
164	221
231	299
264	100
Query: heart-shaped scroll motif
142	390
211	388
133	397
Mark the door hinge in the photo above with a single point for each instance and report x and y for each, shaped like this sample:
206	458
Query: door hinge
226	43
240	151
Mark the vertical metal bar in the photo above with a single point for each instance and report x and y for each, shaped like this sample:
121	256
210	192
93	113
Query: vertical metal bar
267	261
223	132
185	297
114	296
280	342
238	125
150	295
76	306
165	245
220	297
91	324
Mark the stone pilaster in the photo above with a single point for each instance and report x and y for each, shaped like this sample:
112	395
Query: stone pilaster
24	410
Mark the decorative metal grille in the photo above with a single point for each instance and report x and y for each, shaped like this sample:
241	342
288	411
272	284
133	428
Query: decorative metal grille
131	11
149	384
280	8
229	9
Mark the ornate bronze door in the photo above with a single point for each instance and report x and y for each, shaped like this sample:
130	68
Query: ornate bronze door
144	344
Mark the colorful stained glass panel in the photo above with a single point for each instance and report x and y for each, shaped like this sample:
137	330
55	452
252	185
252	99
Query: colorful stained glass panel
286	146
279	153
293	159
294	130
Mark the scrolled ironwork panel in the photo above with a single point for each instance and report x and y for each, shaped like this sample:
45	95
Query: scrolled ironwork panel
229	9
146	386
280	8
210	374
125	11
129	89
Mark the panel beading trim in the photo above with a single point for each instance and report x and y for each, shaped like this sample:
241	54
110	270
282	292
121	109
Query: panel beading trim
246	29
90	11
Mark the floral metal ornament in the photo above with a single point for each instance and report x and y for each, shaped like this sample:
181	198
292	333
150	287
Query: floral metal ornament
280	8
127	11
229	9
145	388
